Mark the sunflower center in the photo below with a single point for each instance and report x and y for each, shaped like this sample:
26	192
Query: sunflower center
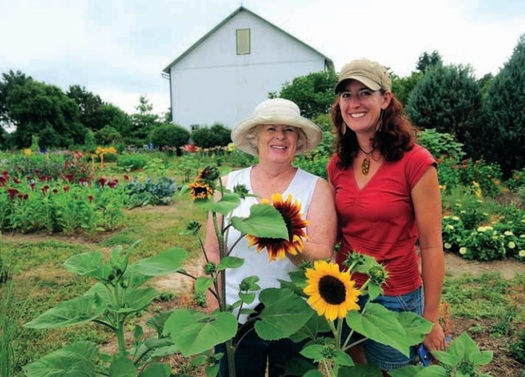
332	290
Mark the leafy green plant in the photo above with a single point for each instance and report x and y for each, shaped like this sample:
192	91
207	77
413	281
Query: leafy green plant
462	358
150	191
517	349
132	161
118	294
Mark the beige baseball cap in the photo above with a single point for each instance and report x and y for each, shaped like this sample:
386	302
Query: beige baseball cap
372	74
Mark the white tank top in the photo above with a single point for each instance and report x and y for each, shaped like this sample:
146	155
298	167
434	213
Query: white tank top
302	189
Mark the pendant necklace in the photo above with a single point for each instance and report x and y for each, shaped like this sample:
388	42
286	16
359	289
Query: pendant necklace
365	165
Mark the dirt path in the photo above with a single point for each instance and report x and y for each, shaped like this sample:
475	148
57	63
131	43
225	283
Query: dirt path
456	266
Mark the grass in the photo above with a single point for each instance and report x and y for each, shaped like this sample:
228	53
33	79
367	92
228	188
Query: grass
39	282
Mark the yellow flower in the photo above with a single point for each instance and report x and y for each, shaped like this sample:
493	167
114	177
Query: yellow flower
331	291
295	224
27	152
200	190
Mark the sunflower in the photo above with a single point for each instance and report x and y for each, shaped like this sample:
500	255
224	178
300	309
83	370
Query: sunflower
295	224
200	190
331	292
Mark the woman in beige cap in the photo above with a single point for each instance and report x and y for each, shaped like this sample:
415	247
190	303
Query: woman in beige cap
388	201
275	133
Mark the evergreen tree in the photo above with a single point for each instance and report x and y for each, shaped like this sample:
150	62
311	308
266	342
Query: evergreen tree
504	131
448	98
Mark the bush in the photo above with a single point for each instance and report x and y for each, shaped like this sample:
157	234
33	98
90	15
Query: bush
132	162
216	136
170	135
150	192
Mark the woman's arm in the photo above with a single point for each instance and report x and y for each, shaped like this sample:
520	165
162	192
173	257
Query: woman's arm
427	206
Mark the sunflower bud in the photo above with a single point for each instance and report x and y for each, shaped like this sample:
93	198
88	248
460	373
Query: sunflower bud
378	275
193	227
210	268
209	174
241	190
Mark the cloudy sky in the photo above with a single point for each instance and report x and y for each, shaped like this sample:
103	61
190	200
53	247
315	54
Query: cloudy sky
118	48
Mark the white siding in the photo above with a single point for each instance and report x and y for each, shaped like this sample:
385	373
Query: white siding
213	84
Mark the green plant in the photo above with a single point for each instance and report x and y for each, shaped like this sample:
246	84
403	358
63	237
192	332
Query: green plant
462	358
132	162
118	294
484	243
150	191
517	349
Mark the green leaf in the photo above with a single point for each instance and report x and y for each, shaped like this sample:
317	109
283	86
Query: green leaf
342	358
383	326
481	358
416	327
166	262
284	313
314	352
230	262
224	206
203	283
156	370
85	264
122	367
265	221
75	359
194	332
316	325
68	313
247	298
137	299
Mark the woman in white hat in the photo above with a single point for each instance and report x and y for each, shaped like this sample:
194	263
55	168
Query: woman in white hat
388	202
275	133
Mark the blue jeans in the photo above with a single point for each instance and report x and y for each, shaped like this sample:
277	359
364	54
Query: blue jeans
253	354
386	357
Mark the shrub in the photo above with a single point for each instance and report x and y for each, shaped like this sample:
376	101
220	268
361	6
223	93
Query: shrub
170	135
132	162
216	136
159	192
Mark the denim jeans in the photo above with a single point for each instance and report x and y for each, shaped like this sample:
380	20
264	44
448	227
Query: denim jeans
385	357
254	354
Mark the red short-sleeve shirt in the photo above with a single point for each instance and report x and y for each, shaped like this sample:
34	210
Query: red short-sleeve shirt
378	219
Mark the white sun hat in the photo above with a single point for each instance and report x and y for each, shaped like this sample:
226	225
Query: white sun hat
276	111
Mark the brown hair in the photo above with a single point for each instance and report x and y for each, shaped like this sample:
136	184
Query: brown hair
395	136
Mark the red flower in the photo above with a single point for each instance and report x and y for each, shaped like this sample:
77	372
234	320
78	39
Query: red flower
12	193
102	181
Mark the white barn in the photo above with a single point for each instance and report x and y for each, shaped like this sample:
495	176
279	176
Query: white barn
226	73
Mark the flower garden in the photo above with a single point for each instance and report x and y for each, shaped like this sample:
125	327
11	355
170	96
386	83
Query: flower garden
94	310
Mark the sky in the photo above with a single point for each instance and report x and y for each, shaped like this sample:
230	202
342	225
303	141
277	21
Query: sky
117	49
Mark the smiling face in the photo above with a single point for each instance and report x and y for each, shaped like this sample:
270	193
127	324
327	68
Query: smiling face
277	142
361	107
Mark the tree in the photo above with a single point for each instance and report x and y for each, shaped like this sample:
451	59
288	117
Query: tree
35	106
89	105
216	136
403	86
112	116
170	135
448	98
313	93
143	122
504	131
108	136
10	81
428	61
